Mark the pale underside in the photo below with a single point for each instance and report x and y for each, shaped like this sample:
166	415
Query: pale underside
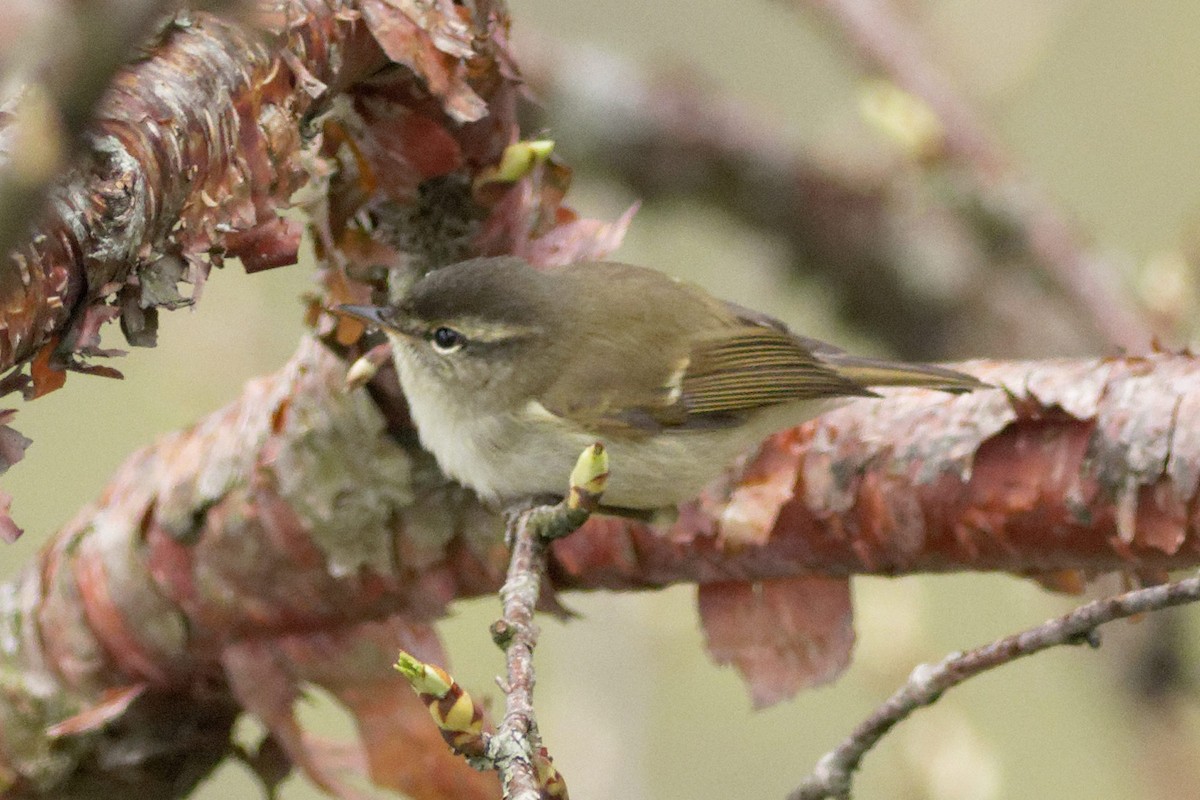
505	457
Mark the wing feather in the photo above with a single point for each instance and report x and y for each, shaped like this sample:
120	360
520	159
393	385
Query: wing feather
747	361
753	366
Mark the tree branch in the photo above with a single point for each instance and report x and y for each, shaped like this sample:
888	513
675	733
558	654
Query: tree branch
198	146
834	772
886	45
516	747
302	511
301	535
874	237
160	186
108	33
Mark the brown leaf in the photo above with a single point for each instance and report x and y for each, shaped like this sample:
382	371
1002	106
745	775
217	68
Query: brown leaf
46	378
404	148
404	41
782	635
272	244
399	744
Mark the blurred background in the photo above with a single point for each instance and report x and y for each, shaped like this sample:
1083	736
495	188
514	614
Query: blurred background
1095	103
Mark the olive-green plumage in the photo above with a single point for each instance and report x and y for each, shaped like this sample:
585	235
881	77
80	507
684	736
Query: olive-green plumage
510	372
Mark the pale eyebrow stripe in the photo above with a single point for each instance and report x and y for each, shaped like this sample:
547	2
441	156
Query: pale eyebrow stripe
488	331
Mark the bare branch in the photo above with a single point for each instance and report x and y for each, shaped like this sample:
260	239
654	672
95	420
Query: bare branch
517	740
516	747
302	510
885	44
873	236
833	774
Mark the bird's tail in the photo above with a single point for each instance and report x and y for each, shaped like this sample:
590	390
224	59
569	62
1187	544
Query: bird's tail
875	372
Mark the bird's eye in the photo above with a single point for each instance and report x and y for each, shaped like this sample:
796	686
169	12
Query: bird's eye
447	340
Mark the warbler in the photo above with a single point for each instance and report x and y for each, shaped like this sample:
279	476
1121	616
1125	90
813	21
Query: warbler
511	371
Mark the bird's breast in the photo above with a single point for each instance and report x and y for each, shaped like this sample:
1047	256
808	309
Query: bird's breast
511	454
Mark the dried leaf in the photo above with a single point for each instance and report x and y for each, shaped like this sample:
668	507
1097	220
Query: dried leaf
272	244
401	747
12	443
402	148
405	42
46	378
782	635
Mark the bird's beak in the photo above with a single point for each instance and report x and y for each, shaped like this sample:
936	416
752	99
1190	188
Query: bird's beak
373	315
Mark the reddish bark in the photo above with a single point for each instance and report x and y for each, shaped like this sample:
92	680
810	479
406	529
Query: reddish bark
1075	465
295	514
159	175
196	147
299	535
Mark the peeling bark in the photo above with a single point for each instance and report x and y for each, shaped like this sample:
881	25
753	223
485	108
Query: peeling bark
299	511
198	145
1086	466
158	175
300	534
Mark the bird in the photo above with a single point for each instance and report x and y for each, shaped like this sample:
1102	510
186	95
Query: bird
510	371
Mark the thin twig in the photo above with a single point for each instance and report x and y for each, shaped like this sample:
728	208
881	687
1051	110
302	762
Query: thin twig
886	44
834	772
516	748
516	740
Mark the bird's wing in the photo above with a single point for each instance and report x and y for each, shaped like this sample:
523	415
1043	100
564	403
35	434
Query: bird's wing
754	366
719	379
745	361
865	372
